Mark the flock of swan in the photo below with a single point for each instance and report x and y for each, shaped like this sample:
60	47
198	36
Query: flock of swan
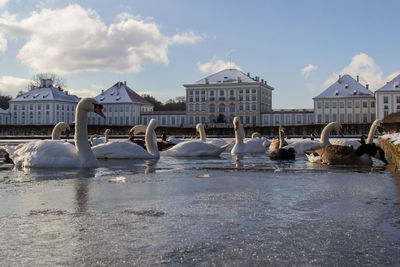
56	153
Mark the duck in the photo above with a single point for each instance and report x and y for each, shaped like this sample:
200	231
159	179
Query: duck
194	148
129	150
140	128
347	155
96	140
59	154
301	146
282	153
242	146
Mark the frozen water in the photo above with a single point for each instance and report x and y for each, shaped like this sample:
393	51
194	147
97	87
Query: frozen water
223	211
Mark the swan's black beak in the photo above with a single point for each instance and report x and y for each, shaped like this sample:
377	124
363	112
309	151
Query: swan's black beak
131	135
236	126
98	109
67	132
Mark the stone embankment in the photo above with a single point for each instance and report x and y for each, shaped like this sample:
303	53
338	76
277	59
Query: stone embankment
390	143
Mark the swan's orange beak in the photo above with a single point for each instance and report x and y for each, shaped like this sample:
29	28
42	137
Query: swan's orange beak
98	109
67	132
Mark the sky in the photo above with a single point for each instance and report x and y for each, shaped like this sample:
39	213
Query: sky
157	46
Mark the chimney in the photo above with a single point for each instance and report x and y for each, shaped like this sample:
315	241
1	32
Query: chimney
248	74
42	83
102	92
367	86
239	80
125	83
257	78
340	79
358	78
262	80
206	80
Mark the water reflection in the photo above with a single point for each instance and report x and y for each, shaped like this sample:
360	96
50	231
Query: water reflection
81	190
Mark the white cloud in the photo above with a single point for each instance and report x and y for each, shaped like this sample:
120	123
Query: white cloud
368	71
216	65
75	39
83	92
308	69
3	2
12	85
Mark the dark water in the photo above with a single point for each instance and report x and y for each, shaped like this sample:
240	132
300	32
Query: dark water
224	211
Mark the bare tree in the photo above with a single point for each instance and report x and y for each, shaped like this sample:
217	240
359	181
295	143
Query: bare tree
58	81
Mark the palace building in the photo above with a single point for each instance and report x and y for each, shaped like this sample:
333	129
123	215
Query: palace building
388	98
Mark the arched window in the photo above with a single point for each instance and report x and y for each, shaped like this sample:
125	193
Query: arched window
212	108
231	107
221	107
212	118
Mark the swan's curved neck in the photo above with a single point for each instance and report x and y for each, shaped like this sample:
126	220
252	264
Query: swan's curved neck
372	131
202	133
85	153
151	140
280	139
55	134
325	134
106	136
239	134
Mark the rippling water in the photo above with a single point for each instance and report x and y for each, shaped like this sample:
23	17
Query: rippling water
223	211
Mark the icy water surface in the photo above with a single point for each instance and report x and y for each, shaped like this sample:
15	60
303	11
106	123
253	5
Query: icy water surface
224	211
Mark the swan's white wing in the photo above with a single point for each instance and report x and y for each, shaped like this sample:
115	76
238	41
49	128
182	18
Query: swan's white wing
345	142
98	141
46	154
195	148
254	145
217	142
121	150
301	146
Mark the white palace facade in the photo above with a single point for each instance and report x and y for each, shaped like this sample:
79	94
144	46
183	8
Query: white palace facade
214	100
44	105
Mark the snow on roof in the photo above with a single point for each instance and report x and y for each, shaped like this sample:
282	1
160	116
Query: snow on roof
393	85
120	93
2	111
46	94
227	76
345	87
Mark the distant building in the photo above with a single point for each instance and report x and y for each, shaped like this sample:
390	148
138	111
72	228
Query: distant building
166	118
4	116
43	105
287	117
345	101
121	106
388	98
226	94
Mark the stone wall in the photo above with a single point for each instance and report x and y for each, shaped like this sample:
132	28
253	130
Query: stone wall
392	152
269	131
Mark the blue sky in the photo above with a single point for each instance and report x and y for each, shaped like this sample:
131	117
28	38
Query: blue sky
299	47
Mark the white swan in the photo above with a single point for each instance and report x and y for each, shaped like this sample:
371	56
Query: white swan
216	142
129	150
59	154
60	128
248	146
96	140
194	148
301	146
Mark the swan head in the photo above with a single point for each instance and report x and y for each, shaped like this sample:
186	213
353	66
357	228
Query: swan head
336	126
90	105
64	128
107	131
198	127
236	123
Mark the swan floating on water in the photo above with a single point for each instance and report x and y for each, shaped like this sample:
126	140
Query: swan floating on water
59	154
203	137
96	140
241	146
129	150
282	153
194	148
